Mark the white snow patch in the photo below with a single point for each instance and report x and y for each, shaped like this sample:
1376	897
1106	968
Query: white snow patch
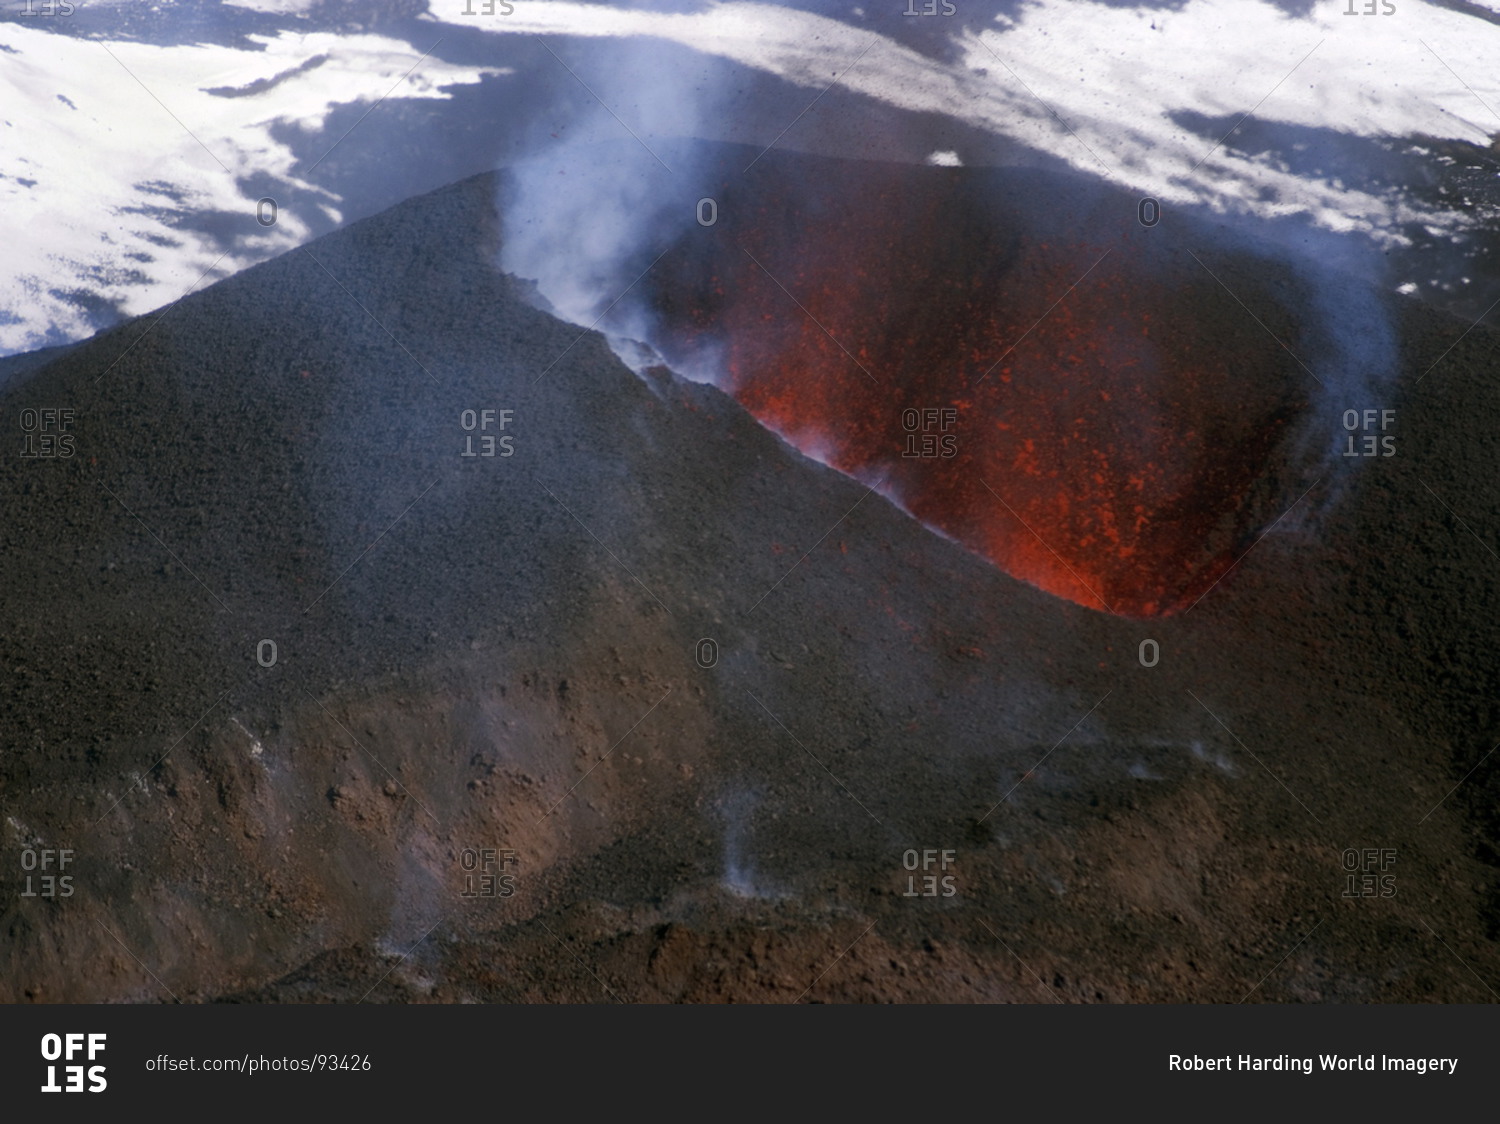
104	144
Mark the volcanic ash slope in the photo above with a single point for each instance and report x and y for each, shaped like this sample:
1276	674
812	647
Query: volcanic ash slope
325	709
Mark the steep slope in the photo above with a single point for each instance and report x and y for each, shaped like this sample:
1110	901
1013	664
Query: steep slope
478	654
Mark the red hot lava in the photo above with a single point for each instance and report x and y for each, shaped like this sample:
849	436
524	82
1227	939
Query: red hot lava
1091	425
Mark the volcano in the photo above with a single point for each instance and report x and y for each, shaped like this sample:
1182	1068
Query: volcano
1018	362
282	661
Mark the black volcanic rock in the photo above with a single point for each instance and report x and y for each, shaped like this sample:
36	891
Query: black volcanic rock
492	667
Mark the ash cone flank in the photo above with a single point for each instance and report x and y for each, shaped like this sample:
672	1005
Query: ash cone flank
504	653
1108	411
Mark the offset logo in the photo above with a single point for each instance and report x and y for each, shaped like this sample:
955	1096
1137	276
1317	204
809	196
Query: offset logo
46	432
1366	872
48	885
927	432
494	879
1363	424
932	885
67	1047
483	419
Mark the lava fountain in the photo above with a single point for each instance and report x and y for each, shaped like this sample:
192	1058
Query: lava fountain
1100	409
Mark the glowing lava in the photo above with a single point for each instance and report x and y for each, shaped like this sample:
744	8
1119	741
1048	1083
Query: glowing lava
1087	419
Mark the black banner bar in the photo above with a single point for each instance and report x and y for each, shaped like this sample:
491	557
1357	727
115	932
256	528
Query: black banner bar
338	1058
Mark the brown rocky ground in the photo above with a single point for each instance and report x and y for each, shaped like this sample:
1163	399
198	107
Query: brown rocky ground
500	653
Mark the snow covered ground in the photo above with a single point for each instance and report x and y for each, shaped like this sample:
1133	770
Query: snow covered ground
119	156
137	140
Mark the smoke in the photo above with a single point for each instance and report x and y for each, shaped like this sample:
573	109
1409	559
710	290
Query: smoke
740	876
782	278
597	200
1346	348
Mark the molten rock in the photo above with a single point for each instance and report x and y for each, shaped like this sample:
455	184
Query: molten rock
1015	366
